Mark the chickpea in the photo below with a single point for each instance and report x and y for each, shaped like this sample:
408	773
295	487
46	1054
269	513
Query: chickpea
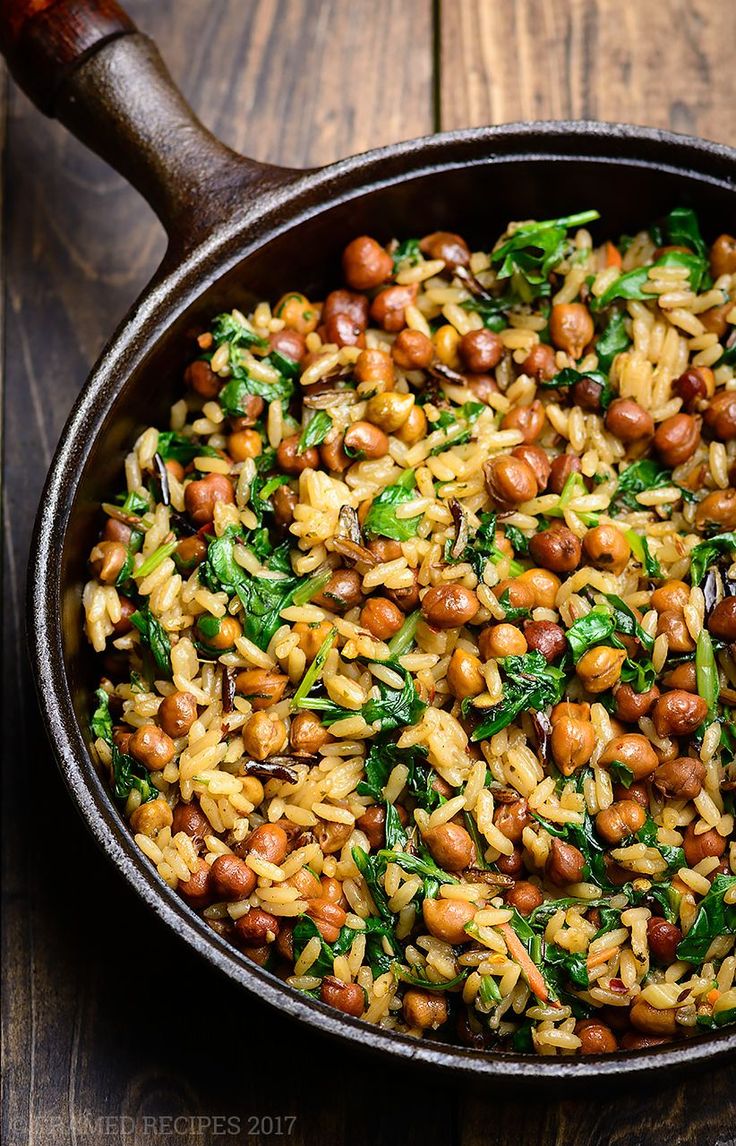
700	847
332	454
389	411
389	306
307	734
291	344
673	595
329	917
464	676
510	481
720	417
343	591
228	631
676	439
722	621
190	552
306	883
232	878
634	1041
652	1020
257	927
565	863
540	363
545	637
297	312
445	919
152	747
284	501
571	327
607	548
629	421
664	939
512	865
723	256
381	618
502	640
587	394
620	820
200	378
189	819
717	509
198	889
679	713
572	743
269	841
529	419
348	303
412	350
715	320
696	383
124	624
445	245
631	706
511	819
116	531
481	350
177	713
245	444
365	264
263	736
375	368
537	459
483	387
684	676
633	750
446	345
556	548
600	668
149	818
451	846
449	606
424	1009
560	470
414	428
408	598
364	440
201	497
262	687
544	584
524	896
107	559
252	789
674	626
312	636
342	330
346	997
595	1037
291	461
520	593
331	836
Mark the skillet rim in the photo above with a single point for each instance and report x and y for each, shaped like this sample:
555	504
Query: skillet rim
284	205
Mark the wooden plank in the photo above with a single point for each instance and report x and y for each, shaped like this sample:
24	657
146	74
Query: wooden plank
662	64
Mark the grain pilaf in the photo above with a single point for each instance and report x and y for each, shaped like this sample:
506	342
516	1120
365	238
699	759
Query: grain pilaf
418	627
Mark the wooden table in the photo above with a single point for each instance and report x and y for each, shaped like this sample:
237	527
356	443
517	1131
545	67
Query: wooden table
108	1020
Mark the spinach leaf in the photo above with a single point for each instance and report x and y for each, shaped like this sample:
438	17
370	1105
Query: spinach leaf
706	672
595	627
127	774
564	966
714	918
133	503
101	722
530	683
381	760
630	284
612	340
315	431
407	251
707	553
482	548
639	476
396	837
518	540
233	394
373	868
375	931
154	637
621	773
381	520
228	328
395	708
493	311
640	549
427	984
683	229
417	865
569	376
674	857
625	622
404	639
306	929
133	546
535	248
176	447
458	430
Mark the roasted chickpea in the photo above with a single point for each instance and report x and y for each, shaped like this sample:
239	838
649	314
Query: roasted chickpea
544	584
116	531
329	917
312	636
560	470
200	378
572	743
600	668
375	368
524	896
291	461
232	878
530	420
652	1020
449	606
502	640
511	819
307	734
389	306
446	341
545	637
722	621
633	750
537	459
365	264
297	313
673	595
696	383
284	501
679	713
717	509
424	1009
571	327
291	344
720	417
684	676
715	320
521	594
408	598
664	939
412	350
152	747
124	624
346	997
632	1040
190	552
451	846
595	1037
723	256
464	676
674	627
607	548
201	497
269	841
638	792
414	428
262	687
565	863
702	846
445	245
631	705
381	618
107	559
343	591
364	440
540	363
512	865
149	818
263	736
510	481
481	350
189	819
629	421
587	394
347	303
198	890
620	820
256	927
177	713
556	548
445	919
331	836
389	410
676	439
218	632
483	387
245	444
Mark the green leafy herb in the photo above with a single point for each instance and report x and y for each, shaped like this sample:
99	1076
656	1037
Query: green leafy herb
458	430
518	540
625	622
482	548
622	773
176	447
233	394
236	331
315	431
707	553
382	758
592	629
154	637
427	984
373	868
640	549
569	376
530	683
314	671
630	285
640	476
714	918
395	708
683	229
417	865
674	857
493	311
534	249
133	503
101	722
129	774
154	559
407	252
612	340
404	639
381	520
706	672
134	544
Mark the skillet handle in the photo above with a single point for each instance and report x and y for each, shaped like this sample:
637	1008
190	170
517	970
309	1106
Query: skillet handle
84	62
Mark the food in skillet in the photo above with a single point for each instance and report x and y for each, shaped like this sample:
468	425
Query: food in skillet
418	628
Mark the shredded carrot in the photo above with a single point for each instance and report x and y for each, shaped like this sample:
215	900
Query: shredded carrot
205	340
712	996
601	956
613	256
530	971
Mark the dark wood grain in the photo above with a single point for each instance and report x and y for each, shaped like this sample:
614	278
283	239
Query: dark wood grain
105	1014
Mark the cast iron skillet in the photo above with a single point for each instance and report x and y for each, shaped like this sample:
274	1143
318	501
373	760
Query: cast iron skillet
240	230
